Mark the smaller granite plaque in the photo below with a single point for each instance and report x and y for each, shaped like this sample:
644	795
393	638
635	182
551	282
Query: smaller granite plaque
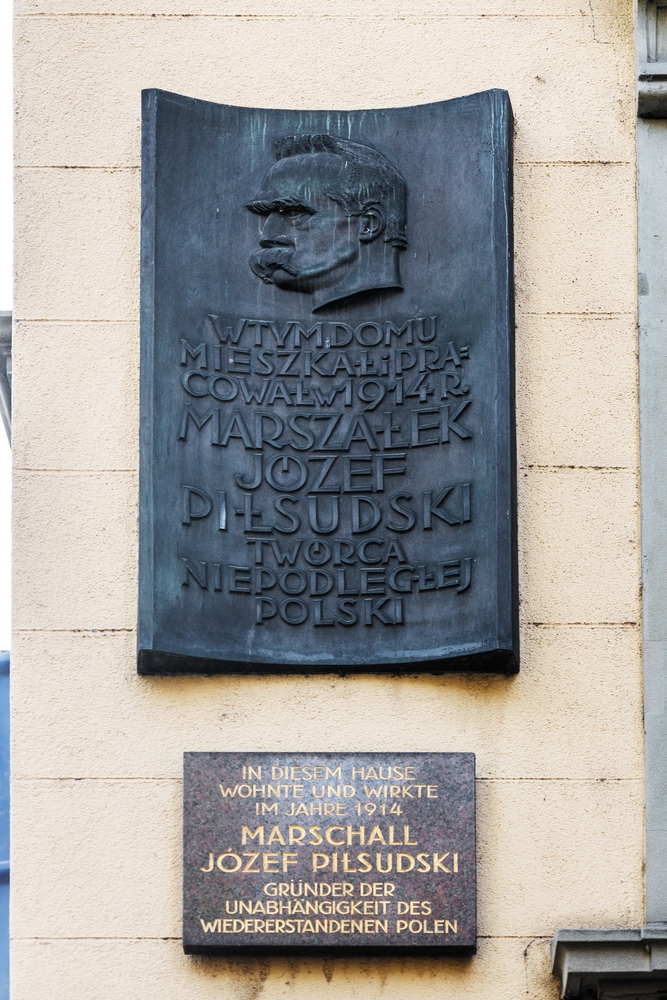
329	852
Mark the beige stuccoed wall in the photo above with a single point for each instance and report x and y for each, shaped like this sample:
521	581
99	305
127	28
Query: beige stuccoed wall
97	750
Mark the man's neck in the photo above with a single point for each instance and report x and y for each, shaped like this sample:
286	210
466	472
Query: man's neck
366	276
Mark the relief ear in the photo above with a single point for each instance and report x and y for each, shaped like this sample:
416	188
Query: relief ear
371	224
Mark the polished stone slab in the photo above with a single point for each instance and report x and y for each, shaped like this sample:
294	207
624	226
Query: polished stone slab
329	852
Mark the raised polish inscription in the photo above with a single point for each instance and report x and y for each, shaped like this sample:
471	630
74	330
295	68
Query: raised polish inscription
308	432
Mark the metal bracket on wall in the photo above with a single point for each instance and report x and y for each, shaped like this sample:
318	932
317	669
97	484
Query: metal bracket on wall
651	38
611	964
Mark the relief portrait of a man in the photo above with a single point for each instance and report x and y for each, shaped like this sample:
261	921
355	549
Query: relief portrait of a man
335	215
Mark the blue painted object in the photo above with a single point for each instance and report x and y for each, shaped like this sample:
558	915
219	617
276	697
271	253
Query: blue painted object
4	826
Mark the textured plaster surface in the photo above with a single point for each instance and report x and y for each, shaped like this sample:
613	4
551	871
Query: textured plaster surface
83	679
77	969
97	750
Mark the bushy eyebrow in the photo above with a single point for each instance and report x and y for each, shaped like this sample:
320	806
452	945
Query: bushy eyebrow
280	205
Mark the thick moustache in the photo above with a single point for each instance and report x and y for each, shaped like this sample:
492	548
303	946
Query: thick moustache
265	262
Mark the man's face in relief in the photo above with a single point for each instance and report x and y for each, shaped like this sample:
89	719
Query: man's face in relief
308	240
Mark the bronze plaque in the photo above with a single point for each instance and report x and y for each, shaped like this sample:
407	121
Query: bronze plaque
370	851
327	428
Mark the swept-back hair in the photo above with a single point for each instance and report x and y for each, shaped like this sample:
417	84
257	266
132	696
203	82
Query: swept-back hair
366	178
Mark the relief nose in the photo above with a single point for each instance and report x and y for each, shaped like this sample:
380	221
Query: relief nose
273	232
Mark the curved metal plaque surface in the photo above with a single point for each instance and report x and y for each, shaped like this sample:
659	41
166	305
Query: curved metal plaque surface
327	417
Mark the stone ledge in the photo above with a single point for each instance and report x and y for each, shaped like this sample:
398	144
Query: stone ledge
611	964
